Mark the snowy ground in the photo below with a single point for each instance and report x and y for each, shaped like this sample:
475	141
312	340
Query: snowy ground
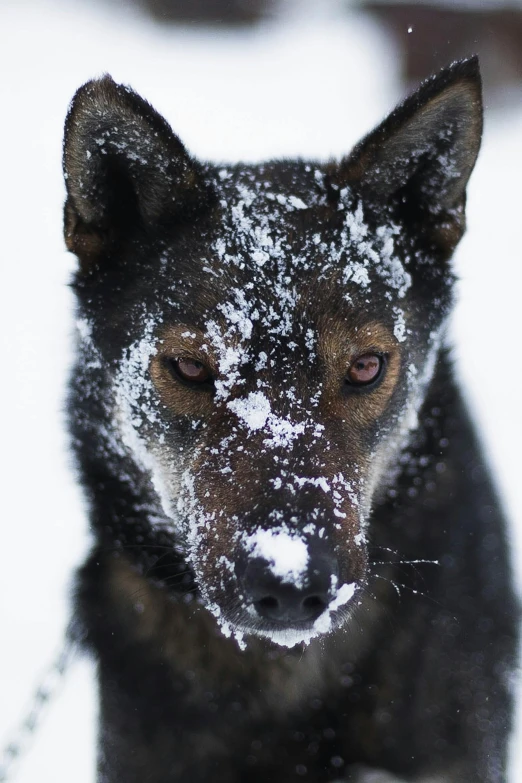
310	85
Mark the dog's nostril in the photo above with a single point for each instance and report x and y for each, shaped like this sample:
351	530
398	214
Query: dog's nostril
289	606
314	604
288	602
267	604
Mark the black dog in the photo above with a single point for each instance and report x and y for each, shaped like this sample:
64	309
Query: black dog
300	569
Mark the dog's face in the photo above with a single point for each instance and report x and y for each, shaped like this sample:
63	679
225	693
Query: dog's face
262	337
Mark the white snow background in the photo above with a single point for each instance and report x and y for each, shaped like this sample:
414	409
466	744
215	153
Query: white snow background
310	83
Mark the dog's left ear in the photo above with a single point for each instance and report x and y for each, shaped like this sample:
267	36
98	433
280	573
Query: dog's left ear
421	157
125	170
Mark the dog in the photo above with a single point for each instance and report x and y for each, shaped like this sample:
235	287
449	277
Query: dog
300	569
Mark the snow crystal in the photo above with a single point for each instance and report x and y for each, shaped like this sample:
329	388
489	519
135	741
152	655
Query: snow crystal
297	203
373	254
133	387
282	431
286	553
253	411
238	317
320	482
262	360
260	257
228	630
345	593
357	273
399	329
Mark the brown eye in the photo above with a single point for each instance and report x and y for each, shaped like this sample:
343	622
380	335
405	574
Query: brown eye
190	370
365	369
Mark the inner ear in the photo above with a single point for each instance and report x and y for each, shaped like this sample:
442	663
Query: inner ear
124	168
421	157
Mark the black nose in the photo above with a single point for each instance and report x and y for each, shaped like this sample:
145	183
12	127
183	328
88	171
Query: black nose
286	602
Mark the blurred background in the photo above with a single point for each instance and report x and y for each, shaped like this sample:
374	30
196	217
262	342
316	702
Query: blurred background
237	79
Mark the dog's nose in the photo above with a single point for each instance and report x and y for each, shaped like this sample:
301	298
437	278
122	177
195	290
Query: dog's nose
286	601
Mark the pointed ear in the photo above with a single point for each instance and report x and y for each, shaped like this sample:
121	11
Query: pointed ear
422	155
123	167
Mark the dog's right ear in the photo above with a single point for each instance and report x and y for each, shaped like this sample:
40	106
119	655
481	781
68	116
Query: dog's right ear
421	157
123	168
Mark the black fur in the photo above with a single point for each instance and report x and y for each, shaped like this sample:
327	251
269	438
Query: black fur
412	678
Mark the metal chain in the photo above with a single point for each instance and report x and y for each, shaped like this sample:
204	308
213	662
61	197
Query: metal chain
47	690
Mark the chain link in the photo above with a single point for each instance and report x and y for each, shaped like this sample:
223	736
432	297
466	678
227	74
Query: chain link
47	690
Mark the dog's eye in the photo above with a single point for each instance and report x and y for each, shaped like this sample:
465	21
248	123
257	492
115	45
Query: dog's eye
365	370
190	370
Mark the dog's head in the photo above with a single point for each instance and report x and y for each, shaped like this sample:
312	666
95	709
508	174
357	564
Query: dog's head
258	339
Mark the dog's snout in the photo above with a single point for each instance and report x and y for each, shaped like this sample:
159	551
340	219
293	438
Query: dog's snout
288	602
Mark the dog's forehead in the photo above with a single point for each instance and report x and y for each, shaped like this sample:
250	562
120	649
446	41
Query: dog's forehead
278	250
264	228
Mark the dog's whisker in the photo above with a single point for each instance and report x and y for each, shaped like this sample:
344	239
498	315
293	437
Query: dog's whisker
163	566
372	547
146	546
391	582
405	562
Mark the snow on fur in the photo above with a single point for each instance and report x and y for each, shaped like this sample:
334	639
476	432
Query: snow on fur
285	552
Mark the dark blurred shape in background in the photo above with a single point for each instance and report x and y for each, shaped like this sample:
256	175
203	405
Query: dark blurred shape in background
232	12
432	34
428	34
